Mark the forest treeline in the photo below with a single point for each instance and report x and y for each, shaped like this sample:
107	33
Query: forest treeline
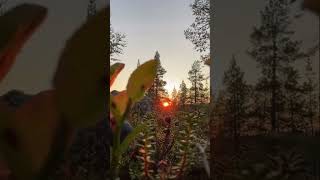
285	96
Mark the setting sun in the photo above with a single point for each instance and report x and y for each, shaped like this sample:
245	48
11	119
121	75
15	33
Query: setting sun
165	104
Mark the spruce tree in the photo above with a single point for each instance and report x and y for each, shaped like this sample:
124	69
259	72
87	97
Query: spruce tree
175	97
196	79
309	88
157	90
236	93
292	118
274	49
205	94
258	110
183	92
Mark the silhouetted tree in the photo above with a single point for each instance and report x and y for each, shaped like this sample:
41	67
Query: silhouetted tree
310	96
198	32
196	79
236	92
273	48
157	90
175	96
258	110
117	43
117	40
221	128
293	96
205	94
183	94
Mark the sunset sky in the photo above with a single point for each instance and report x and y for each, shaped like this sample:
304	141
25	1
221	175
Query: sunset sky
152	25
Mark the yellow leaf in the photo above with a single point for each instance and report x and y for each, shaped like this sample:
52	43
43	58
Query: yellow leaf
141	79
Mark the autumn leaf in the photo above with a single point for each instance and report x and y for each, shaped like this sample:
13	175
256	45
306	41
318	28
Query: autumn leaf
16	27
115	69
29	134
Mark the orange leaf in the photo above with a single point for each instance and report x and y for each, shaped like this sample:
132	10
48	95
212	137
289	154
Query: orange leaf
115	69
16	27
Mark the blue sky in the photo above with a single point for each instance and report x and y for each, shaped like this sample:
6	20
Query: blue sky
152	25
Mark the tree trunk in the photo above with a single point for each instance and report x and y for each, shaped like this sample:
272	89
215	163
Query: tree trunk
274	88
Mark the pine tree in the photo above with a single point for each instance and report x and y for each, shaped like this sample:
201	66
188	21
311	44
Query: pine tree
293	115
309	88
117	43
219	111
273	49
183	92
198	32
117	40
258	110
205	94
175	97
236	92
196	79
157	90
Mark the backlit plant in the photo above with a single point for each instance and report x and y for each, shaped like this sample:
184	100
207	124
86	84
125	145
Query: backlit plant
181	159
140	80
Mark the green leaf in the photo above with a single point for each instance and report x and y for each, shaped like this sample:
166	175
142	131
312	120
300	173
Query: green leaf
81	73
129	139
27	138
115	69
16	27
141	80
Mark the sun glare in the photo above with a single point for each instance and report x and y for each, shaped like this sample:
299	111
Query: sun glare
165	104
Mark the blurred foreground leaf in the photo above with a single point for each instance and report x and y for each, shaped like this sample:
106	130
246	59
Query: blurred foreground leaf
81	73
115	69
16	27
28	135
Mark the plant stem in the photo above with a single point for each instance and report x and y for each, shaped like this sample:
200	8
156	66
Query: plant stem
115	153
